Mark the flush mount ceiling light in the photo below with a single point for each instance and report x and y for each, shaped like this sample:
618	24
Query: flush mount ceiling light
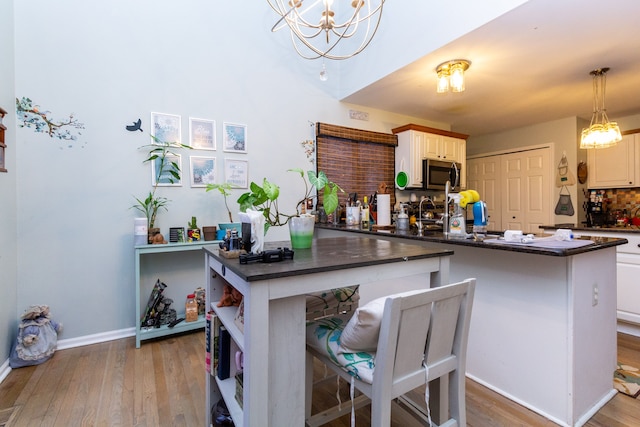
601	133
451	75
316	27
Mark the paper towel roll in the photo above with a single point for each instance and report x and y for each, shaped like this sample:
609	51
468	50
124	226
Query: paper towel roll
384	209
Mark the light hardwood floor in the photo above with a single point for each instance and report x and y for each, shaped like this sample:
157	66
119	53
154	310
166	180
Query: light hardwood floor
162	384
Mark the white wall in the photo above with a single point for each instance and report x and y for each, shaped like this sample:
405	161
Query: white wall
110	64
66	231
8	242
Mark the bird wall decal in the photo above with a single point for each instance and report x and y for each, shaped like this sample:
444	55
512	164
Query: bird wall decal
135	126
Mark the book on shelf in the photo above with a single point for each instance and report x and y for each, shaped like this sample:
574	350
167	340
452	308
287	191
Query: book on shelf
208	339
215	343
224	353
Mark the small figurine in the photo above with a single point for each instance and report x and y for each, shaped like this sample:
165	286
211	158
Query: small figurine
230	297
158	239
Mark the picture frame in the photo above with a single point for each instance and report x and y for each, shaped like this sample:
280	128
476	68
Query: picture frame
166	179
234	137
236	172
203	170
166	127
202	134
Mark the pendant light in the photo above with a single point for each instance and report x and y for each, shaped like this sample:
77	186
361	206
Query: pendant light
601	133
317	26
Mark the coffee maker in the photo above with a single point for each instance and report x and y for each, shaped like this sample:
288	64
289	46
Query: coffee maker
596	217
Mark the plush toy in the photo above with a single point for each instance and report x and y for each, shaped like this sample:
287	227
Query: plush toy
37	337
230	297
158	239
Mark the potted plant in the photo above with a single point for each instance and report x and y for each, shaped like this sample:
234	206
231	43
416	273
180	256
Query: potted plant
264	198
193	231
151	204
225	190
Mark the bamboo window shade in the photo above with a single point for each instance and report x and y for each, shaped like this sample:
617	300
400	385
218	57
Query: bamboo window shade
357	160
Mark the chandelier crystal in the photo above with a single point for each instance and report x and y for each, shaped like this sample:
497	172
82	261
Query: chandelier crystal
316	27
601	133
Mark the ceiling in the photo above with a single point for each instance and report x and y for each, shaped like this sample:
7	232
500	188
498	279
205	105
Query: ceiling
528	66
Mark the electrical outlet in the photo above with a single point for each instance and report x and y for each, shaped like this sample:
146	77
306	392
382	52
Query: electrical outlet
594	295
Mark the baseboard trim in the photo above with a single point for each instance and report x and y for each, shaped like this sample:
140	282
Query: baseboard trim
4	370
518	401
96	338
628	328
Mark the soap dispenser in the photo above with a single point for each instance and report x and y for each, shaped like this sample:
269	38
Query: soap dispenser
402	222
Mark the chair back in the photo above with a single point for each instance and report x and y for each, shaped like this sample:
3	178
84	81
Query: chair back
430	326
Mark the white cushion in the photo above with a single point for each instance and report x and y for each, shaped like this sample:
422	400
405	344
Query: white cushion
324	336
363	329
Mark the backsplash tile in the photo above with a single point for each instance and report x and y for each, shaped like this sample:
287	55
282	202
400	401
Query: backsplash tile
624	198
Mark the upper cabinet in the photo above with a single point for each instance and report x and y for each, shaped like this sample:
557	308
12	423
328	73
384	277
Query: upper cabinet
617	166
416	143
444	148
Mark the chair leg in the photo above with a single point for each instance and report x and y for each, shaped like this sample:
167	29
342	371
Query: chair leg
458	403
380	411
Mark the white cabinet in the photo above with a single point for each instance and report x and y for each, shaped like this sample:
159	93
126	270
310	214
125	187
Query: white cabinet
409	155
444	148
616	166
416	143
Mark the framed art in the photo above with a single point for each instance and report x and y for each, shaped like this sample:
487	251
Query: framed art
203	171
236	172
202	134
161	173
166	127
234	137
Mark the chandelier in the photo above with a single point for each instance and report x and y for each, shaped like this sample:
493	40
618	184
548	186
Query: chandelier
451	75
316	27
601	133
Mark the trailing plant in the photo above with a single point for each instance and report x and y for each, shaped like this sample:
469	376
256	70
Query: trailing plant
169	170
264	197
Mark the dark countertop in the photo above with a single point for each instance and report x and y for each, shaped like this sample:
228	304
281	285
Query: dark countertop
326	254
438	237
607	228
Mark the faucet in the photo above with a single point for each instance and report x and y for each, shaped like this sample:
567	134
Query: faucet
420	213
445	216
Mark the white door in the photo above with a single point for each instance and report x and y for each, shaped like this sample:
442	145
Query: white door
526	191
484	177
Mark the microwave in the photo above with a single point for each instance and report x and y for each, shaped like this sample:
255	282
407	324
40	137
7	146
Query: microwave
436	173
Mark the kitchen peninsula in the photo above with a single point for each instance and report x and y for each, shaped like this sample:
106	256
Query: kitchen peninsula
274	296
543	327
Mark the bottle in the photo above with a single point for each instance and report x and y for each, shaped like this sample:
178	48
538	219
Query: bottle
402	222
457	225
364	214
191	309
